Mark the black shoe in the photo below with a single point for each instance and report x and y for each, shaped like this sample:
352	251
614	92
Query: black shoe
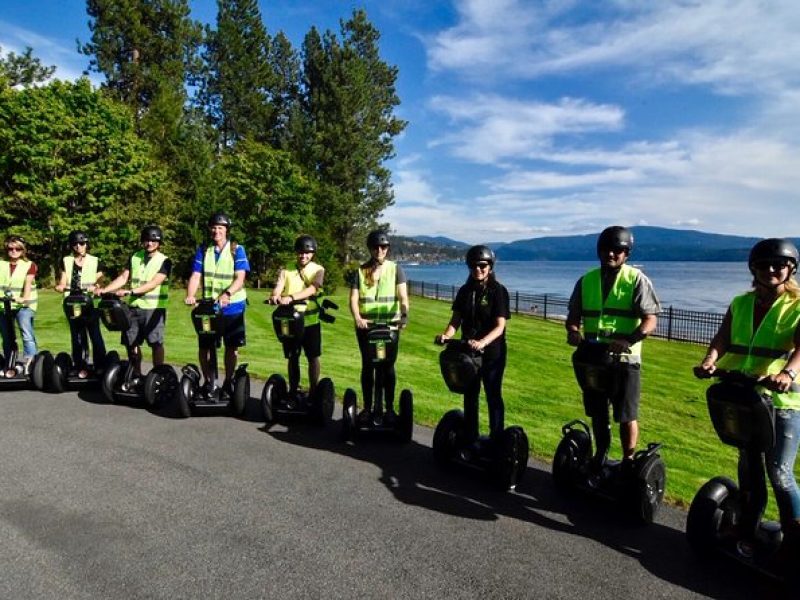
209	391
227	388
364	417
390	418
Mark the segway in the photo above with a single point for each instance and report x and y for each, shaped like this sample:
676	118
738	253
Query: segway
278	402
745	419
14	375
208	322
503	460
637	486
382	339
120	382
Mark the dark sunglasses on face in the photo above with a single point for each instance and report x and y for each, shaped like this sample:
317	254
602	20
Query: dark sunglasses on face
480	265
616	250
775	265
79	244
13	249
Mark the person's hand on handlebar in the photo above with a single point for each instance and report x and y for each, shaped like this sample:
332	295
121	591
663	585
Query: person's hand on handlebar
361	323
619	346
476	345
441	339
778	382
574	337
190	301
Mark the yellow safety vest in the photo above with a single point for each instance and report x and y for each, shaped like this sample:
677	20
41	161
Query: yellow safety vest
143	273
295	282
379	303
765	351
218	274
613	318
15	283
88	272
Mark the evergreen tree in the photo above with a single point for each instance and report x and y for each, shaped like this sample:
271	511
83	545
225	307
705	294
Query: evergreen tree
285	93
23	69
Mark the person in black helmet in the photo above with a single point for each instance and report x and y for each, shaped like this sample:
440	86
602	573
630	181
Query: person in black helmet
481	309
760	336
618	307
148	270
300	284
378	294
81	273
221	267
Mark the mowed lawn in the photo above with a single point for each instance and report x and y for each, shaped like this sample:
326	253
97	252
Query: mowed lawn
539	388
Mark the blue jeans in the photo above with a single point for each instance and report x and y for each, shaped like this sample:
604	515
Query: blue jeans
25	322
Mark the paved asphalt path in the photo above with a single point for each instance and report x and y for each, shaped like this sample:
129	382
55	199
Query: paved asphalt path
113	501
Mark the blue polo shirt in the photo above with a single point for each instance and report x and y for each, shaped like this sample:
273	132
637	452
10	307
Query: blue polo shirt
240	263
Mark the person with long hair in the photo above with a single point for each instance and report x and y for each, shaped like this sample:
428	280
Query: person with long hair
760	336
378	295
481	309
18	276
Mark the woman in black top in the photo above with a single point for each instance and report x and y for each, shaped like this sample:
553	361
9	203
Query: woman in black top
481	309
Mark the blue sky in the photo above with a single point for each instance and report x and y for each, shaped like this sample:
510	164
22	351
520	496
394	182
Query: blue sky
530	118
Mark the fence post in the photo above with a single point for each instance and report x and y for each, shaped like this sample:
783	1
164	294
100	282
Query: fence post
516	302
437	291
669	324
422	286
545	307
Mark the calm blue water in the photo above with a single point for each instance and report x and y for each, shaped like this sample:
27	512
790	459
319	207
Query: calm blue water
704	286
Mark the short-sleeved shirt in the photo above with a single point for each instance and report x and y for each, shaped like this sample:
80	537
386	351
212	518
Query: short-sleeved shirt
400	277
645	301
74	278
240	263
480	307
32	270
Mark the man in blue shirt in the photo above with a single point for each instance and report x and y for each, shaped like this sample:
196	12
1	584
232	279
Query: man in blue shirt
221	267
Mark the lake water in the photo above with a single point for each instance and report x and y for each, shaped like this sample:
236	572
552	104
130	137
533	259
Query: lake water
703	286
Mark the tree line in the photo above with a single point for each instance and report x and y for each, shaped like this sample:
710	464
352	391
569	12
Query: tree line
191	119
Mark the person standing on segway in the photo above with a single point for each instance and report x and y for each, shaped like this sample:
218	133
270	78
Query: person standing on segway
378	294
760	336
18	276
221	267
300	284
619	309
148	271
481	309
80	275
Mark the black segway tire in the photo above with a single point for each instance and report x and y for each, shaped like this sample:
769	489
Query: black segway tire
160	386
62	365
713	505
275	392
650	482
111	379
405	421
349	415
184	399
241	394
324	398
40	370
511	457
447	437
573	451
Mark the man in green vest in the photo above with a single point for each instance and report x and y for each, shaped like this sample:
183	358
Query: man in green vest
148	271
300	284
221	267
618	308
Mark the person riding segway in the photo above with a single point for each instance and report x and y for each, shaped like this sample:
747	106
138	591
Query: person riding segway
297	325
481	309
755	407
618	308
221	268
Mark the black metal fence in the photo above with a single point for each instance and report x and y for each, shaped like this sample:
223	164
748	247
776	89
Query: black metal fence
673	323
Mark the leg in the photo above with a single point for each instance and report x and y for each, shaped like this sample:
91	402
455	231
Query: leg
389	385
312	346
25	321
367	374
293	367
753	483
626	408
96	336
234	339
6	336
628	436
493	385
231	360
314	369
78	339
780	466
206	347
158	354
471	397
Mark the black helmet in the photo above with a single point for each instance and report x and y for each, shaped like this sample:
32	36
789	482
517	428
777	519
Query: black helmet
615	236
377	238
220	218
77	237
478	254
305	243
772	249
152	233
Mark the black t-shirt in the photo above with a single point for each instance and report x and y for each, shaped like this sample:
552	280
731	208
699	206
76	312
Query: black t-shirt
479	308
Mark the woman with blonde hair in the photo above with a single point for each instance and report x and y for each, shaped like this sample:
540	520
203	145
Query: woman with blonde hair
18	276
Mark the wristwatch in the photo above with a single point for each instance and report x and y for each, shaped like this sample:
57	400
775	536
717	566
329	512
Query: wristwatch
791	373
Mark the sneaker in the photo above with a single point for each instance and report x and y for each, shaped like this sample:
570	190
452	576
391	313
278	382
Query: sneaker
227	388
364	417
744	549
208	391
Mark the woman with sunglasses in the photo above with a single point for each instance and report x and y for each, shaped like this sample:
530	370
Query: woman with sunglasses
481	309
760	336
18	275
80	274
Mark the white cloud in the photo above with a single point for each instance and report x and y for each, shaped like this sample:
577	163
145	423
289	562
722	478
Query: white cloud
69	64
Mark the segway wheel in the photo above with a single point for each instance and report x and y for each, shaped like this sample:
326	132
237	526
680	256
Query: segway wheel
714	506
573	451
405	421
274	392
40	370
184	399
160	386
60	371
241	393
651	479
447	437
349	415
111	379
324	398
112	356
512	457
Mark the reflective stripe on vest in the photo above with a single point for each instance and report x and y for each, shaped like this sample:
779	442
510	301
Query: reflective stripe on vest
296	282
141	274
614	318
219	273
379	303
765	351
88	272
15	283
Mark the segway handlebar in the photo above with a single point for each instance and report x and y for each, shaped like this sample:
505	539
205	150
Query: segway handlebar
464	344
726	375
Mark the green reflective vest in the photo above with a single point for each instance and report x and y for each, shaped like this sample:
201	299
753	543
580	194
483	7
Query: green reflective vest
15	283
379	303
88	272
141	274
765	351
219	273
296	281
614	318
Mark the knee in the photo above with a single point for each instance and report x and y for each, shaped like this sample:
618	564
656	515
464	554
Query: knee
781	477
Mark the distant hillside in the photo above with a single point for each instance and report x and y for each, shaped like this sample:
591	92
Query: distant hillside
425	249
440	241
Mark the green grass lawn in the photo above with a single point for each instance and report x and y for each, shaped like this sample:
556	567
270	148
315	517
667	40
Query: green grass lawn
539	388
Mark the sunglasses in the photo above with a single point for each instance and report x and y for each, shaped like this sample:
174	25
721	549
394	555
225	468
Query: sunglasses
775	265
615	250
13	249
480	265
79	244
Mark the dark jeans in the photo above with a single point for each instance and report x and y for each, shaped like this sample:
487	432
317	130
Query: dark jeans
383	370
82	331
491	374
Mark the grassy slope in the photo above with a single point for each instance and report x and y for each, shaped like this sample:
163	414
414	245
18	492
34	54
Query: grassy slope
539	390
